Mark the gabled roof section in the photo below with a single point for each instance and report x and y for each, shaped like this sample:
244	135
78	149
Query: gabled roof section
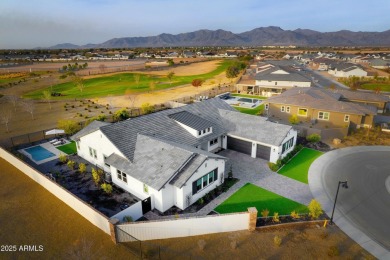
159	125
191	120
254	127
320	99
92	127
156	162
362	96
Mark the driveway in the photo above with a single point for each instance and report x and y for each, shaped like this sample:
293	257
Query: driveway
256	171
363	210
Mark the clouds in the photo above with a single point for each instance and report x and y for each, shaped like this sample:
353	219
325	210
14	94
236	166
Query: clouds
27	24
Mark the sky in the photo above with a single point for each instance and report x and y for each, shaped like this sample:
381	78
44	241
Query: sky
44	23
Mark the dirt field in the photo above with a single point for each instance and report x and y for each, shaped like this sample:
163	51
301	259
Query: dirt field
39	218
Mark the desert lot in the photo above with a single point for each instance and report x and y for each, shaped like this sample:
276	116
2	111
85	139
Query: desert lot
39	218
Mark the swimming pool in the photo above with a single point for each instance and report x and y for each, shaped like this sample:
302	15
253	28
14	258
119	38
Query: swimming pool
38	153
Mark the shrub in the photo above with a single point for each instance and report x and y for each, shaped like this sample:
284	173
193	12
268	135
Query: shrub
313	138
121	114
293	119
277	241
275	217
201	201
63	158
107	188
96	175
230	173
127	219
71	164
294	215
333	251
264	213
315	209
82	168
273	166
147	108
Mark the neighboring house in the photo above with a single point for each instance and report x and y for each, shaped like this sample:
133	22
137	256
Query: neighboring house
321	108
270	79
379	63
168	157
346	70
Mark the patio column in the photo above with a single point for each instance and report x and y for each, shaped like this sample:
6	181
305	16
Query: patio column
252	218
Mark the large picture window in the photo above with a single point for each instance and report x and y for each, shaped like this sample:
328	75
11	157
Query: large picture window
302	112
204	181
287	145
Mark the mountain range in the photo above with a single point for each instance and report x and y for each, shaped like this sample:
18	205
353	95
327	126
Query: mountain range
262	36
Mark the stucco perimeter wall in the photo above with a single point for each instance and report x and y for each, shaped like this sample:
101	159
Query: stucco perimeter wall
68	198
184	227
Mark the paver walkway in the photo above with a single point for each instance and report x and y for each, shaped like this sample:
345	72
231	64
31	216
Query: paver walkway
257	172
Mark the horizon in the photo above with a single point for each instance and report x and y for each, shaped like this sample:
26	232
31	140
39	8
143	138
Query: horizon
28	25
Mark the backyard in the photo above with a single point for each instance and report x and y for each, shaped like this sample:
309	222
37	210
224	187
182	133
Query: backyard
251	111
253	196
297	168
69	148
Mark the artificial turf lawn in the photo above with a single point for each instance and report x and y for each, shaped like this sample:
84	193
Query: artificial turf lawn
253	196
251	111
68	148
298	167
120	83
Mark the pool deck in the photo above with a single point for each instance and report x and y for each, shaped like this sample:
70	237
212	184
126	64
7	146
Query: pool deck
239	103
48	146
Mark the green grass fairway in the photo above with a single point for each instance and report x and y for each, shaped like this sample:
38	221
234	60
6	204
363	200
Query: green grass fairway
118	84
68	148
297	168
251	111
248	96
253	196
373	86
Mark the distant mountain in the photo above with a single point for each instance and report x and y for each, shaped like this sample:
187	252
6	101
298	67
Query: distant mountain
263	36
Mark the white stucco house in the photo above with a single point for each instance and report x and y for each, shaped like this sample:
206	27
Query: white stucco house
347	70
169	156
270	79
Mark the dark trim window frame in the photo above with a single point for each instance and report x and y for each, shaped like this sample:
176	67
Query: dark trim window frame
121	176
287	145
205	181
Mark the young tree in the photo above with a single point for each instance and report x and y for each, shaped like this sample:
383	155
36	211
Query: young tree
137	78
152	85
5	117
13	100
170	62
132	98
197	83
170	76
82	168
79	83
315	209
69	126
107	188
29	106
121	114
47	96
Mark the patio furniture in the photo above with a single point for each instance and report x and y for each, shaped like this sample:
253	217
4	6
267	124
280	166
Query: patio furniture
53	141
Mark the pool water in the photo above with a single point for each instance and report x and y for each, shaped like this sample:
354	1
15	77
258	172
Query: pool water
38	153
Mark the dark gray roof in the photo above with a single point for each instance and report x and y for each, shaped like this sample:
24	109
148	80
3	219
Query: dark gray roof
290	75
254	128
320	99
92	127
191	120
362	96
156	162
124	134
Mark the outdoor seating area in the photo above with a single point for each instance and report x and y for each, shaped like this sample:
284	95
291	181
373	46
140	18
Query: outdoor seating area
56	141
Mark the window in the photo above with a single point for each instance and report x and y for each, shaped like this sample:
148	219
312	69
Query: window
199	133
302	111
213	142
288	109
346	118
282	109
276	83
122	176
266	106
204	181
92	153
285	109
287	145
323	115
146	189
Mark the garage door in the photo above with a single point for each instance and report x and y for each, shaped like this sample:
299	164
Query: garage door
263	152
239	145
